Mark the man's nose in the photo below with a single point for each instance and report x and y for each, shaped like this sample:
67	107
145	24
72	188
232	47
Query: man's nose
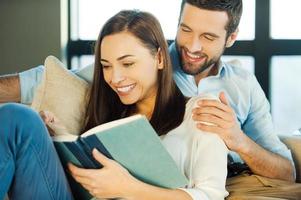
195	44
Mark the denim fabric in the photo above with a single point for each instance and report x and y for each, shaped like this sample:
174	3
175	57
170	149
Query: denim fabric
29	165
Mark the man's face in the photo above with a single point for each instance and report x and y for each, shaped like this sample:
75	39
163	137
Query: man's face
201	38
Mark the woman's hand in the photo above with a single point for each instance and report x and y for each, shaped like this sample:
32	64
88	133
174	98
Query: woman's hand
54	126
111	181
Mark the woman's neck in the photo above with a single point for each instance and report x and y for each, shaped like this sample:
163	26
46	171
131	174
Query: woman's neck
146	107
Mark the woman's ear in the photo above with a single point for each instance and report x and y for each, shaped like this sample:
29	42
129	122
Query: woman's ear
231	38
160	59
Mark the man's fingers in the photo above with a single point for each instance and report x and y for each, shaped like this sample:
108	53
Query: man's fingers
214	103
223	98
198	111
211	119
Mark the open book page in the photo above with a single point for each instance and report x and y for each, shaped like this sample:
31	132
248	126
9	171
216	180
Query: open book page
100	128
109	125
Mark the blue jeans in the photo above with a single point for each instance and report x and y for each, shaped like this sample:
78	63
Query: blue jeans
29	165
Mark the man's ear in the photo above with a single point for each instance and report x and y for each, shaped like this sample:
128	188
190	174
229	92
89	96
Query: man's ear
231	38
160	59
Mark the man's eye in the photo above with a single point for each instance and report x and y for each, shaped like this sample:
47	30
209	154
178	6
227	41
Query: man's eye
185	30
209	38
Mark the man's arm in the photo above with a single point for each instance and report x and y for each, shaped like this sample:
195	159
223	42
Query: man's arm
263	162
10	88
260	161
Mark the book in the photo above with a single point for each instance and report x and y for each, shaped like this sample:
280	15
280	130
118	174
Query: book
130	141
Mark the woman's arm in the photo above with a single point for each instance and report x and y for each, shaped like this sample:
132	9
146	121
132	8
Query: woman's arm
114	181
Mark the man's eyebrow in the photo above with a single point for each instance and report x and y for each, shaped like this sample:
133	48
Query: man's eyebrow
185	26
211	34
120	58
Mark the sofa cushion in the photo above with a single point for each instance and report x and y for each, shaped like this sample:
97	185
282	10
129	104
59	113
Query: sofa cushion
64	94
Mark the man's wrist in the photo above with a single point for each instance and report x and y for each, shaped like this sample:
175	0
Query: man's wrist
244	144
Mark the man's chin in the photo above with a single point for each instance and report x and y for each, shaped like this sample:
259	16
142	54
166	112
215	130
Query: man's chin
191	69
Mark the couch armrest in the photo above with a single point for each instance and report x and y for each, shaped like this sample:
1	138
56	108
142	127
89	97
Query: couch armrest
294	144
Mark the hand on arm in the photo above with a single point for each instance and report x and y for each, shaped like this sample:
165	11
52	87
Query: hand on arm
260	161
113	181
10	88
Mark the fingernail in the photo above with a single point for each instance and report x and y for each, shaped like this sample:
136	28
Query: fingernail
95	150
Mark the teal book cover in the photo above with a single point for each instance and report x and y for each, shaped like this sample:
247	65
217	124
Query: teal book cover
130	141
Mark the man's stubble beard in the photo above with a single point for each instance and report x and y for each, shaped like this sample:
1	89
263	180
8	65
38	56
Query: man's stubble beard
190	69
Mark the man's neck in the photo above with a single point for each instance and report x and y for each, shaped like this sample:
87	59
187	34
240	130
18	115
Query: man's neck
210	71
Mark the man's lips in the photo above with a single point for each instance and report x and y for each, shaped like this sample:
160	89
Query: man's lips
192	58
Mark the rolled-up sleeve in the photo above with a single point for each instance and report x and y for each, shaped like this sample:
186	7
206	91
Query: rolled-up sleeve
29	81
259	125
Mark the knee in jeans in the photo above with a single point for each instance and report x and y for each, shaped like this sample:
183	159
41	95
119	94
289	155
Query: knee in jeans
20	114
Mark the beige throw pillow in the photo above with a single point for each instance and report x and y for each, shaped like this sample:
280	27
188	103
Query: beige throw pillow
64	94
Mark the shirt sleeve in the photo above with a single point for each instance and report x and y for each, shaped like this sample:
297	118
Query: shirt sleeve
29	81
259	125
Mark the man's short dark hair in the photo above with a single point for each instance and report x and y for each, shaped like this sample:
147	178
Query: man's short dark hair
232	7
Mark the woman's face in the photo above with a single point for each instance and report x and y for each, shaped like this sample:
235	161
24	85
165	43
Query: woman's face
129	68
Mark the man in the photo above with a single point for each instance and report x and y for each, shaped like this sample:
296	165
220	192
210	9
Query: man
241	117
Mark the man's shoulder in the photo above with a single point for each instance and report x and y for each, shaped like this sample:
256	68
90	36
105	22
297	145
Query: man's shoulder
235	69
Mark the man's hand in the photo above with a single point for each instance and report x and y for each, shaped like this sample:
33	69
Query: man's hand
218	117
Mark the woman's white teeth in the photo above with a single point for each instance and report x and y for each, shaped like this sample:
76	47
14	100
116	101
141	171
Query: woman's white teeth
192	55
125	89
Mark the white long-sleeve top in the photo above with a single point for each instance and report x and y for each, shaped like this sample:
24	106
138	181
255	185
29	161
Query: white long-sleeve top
201	156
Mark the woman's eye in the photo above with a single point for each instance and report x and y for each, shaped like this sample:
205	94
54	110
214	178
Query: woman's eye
105	66
128	64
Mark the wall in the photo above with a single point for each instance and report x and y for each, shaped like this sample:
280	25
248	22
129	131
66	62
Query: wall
29	31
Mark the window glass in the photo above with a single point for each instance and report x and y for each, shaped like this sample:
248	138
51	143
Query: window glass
247	23
284	19
286	93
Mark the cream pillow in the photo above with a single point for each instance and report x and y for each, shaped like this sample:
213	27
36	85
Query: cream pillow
64	94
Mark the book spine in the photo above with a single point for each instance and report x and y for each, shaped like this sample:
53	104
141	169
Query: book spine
92	142
76	148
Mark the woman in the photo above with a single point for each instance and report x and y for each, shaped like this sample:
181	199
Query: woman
133	76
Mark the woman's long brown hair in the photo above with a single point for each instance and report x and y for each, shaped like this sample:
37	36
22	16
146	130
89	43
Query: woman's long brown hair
104	104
